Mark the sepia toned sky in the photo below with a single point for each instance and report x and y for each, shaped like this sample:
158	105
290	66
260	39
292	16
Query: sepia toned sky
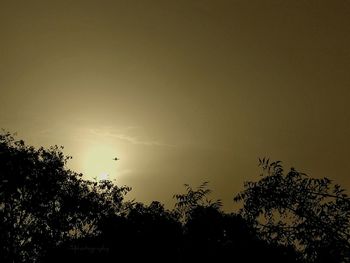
181	91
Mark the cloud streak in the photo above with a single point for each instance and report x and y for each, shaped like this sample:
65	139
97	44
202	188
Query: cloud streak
128	138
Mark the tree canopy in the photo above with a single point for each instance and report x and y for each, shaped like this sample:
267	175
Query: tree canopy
43	204
49	213
312	215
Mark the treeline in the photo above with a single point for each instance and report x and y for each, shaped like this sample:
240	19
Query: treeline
49	213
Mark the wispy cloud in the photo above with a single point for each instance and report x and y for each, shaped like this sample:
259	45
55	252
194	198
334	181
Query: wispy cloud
128	138
119	134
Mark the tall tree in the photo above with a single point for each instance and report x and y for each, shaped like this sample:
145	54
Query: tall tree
43	204
291	208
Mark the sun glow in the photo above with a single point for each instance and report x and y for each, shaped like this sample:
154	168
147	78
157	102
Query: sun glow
103	176
98	162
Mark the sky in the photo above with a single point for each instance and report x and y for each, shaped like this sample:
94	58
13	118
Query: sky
181	91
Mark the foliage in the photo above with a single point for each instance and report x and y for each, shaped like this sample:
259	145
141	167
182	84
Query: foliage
194	198
48	213
311	214
43	204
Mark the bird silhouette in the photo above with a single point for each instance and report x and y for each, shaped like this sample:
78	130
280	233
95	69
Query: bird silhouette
116	159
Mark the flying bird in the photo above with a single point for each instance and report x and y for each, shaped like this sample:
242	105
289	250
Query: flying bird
116	159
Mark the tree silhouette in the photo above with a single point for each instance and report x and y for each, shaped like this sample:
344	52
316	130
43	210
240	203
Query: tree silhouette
33	183
211	235
48	213
311	214
43	205
194	198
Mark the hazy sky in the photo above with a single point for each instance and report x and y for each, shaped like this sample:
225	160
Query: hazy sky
181	91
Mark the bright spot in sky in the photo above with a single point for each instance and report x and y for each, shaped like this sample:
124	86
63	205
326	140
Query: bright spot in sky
97	161
103	176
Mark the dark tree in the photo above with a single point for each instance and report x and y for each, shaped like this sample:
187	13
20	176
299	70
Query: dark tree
202	224
211	235
44	205
155	231
48	213
312	215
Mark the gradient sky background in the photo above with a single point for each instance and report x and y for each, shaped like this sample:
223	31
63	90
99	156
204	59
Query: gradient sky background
181	91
